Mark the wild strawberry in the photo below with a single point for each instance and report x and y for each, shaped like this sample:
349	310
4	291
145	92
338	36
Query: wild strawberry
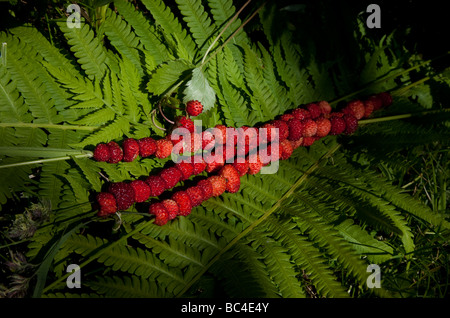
241	167
141	190
198	164
309	127
220	134
254	164
314	110
286	117
214	161
232	176
115	152
124	194
325	107
219	184
301	113
295	129
171	176
337	125
183	201
130	149
206	186
351	124
308	141
376	101
160	212
157	185
208	141
386	98
195	195
186	169
171	208
285	149
283	128
186	122
101	152
297	143
147	147
355	108
323	127
107	203
267	133
194	108
368	108
247	138
163	148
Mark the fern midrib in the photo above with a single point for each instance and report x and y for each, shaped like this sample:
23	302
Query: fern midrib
257	222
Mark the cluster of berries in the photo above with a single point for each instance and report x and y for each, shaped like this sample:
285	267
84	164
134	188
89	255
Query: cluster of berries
299	127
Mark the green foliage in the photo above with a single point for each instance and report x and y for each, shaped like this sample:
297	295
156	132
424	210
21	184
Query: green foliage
310	230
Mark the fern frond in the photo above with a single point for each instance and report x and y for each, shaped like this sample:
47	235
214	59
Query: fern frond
125	287
90	53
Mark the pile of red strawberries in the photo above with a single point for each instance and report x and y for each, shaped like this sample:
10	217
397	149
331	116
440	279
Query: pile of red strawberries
298	127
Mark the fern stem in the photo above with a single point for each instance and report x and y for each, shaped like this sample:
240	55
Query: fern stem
402	116
87	154
261	219
221	32
49	126
233	35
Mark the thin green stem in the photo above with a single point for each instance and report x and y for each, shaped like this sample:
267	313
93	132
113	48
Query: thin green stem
402	116
223	31
39	161
49	126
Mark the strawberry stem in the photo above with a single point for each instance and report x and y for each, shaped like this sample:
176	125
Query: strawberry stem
49	126
402	116
87	154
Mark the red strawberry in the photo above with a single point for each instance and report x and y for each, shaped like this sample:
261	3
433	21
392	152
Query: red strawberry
377	101
107	204
241	167
308	141
337	125
171	207
163	148
219	184
195	195
286	117
185	122
158	209
314	110
232	176
206	186
286	149
171	176
368	108
283	128
214	162
325	107
297	143
386	98
351	124
115	152
309	127
101	152
141	190
254	164
295	129
183	201
147	147
267	133
194	108
124	194
323	127
220	133
157	185
185	168
247	138
198	164
355	108
207	140
130	149
301	113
